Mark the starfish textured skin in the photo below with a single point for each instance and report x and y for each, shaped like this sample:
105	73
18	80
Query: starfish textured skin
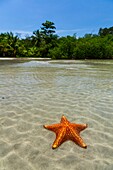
66	130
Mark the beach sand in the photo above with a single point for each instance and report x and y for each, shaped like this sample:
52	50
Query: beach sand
24	59
36	93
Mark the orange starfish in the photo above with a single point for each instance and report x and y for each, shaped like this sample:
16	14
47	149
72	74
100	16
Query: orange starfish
67	131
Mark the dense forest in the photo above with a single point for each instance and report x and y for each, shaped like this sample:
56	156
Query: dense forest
44	42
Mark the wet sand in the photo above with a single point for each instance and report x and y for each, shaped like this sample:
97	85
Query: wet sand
36	93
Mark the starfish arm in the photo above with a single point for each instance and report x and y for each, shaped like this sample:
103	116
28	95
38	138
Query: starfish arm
79	141
75	137
79	127
53	127
60	138
64	120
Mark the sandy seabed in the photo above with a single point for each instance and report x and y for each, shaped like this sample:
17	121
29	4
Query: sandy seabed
36	93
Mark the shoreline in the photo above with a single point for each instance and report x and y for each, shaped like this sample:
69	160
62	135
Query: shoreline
38	59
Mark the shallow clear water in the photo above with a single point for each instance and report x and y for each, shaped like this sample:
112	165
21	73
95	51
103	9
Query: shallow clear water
34	93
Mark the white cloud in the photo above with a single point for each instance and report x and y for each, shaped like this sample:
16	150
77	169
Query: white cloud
64	31
78	32
22	33
71	32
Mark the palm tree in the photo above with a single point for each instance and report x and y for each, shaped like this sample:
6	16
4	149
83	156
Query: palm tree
12	43
36	38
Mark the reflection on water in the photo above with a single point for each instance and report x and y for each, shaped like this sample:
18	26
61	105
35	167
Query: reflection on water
34	93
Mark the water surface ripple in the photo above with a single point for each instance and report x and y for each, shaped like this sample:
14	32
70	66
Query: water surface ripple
33	93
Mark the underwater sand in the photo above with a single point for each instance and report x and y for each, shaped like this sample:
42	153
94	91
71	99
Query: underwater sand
34	93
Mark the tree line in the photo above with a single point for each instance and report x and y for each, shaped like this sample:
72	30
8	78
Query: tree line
44	42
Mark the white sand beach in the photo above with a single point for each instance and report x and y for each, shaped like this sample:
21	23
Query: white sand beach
24	58
34	93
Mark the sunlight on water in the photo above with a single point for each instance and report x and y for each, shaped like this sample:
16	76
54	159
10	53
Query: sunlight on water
34	93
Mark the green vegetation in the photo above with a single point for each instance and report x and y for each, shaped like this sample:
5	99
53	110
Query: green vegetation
45	43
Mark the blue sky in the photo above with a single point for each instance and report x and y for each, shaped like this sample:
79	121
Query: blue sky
69	16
